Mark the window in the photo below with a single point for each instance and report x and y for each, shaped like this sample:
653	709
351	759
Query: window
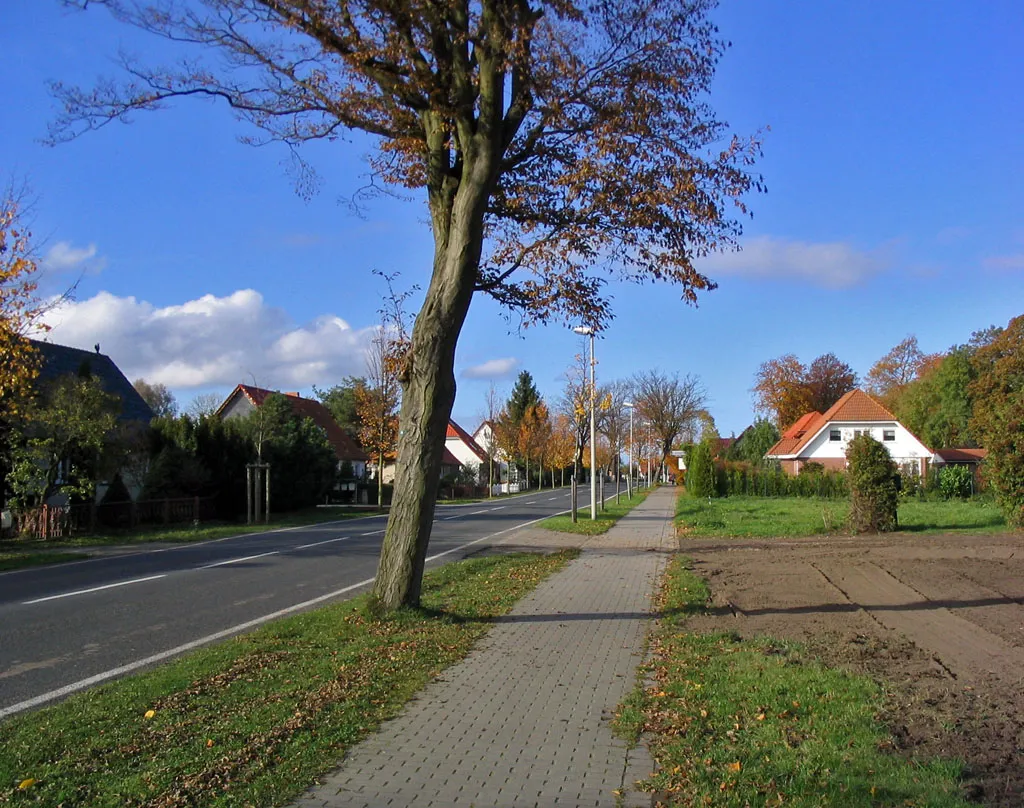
834	434
888	434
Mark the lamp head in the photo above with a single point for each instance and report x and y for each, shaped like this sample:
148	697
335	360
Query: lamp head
585	330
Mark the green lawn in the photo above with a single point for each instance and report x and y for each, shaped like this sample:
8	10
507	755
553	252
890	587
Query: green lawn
612	513
252	721
740	516
759	722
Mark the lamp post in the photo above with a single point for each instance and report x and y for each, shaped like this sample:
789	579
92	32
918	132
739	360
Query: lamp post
629	479
587	331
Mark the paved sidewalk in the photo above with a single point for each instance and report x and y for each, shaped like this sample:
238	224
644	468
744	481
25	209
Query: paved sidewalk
524	719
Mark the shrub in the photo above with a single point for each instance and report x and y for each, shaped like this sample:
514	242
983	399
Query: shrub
873	486
700	474
956	482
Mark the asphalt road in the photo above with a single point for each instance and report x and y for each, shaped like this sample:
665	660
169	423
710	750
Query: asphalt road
70	626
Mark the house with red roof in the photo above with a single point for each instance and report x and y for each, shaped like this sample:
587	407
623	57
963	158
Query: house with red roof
823	437
471	455
245	399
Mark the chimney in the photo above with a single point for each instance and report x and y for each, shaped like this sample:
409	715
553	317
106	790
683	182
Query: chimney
293	395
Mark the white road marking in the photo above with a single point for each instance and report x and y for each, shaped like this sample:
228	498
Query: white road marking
371	533
551	499
93	589
499	507
74	687
318	543
479	512
447	518
237	560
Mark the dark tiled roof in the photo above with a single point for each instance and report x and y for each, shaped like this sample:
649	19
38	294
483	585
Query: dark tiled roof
344	447
60	360
961	455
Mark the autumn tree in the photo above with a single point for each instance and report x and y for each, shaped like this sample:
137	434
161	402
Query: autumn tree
894	371
160	400
20	309
575	406
669	404
779	390
534	431
998	419
828	379
784	389
555	144
562	445
613	421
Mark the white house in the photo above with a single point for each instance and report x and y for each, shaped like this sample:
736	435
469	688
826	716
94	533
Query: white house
484	438
823	438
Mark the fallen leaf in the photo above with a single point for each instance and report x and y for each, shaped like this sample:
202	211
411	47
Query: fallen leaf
27	783
735	767
149	713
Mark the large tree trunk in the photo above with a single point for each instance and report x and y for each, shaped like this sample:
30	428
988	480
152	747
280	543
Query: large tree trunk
428	384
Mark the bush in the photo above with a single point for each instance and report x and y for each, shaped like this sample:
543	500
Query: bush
874	492
956	482
700	474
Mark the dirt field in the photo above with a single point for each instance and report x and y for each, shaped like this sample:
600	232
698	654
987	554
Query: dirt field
938	619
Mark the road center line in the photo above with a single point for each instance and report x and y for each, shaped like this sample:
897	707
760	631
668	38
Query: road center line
498	508
371	533
457	516
318	543
238	560
94	589
478	512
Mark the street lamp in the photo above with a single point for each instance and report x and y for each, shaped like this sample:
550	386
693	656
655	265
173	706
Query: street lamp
629	479
587	331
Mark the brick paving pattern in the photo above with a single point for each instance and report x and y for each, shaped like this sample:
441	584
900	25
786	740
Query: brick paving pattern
524	719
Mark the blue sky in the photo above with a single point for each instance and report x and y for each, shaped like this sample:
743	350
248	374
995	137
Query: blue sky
894	168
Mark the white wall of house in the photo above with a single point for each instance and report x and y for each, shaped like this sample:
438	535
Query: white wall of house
466	456
902	445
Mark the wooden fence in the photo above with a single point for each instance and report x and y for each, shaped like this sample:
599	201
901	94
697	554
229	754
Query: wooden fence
61	521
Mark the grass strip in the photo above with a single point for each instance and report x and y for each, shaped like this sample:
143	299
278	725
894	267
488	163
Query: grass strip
252	721
612	513
15	560
765	517
759	722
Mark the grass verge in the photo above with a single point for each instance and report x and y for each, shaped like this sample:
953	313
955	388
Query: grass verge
15	560
612	513
763	517
759	722
254	720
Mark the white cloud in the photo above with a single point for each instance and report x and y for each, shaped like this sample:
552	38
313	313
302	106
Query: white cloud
492	369
833	265
1005	262
213	341
62	257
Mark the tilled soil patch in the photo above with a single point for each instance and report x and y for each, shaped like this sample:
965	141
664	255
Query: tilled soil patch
939	620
